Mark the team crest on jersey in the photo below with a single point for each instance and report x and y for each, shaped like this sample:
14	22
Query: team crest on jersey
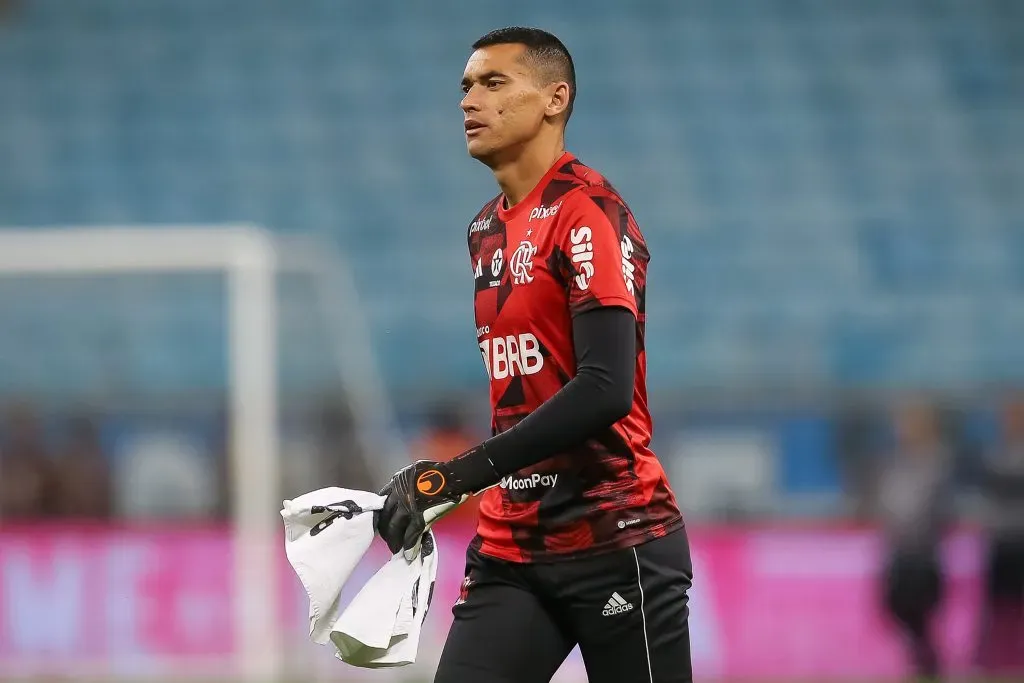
521	262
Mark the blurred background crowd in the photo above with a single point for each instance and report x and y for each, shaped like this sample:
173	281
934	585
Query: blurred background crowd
833	194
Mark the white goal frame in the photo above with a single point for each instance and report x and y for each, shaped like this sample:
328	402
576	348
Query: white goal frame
250	258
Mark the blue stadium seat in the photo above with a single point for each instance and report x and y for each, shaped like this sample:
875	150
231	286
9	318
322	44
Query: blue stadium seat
832	191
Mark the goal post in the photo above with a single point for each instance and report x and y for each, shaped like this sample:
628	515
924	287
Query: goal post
249	258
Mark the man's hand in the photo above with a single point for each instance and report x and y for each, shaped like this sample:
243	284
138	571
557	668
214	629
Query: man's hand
416	497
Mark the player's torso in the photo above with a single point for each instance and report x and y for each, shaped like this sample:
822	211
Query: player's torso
521	312
609	492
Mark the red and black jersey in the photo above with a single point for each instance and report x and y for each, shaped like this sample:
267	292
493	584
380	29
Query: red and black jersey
570	246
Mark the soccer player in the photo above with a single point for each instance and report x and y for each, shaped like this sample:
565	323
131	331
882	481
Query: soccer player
579	538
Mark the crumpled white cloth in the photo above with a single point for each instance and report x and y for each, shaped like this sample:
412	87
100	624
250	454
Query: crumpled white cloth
327	533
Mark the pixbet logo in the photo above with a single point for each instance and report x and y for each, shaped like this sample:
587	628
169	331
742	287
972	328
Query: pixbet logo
542	212
582	251
512	355
481	225
529	482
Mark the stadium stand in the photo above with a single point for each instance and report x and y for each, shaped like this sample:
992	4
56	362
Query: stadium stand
846	216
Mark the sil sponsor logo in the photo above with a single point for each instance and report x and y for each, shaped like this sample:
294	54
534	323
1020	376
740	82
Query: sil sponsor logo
582	255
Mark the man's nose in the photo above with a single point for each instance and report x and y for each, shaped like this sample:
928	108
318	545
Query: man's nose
469	103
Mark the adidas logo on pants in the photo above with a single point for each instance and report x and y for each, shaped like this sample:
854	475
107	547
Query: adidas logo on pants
616	605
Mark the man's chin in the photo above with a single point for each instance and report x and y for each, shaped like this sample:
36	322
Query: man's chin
482	153
475	149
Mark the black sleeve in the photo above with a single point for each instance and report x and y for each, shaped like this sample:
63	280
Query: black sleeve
600	394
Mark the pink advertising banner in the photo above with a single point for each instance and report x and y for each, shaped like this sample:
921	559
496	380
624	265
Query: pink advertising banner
68	594
766	603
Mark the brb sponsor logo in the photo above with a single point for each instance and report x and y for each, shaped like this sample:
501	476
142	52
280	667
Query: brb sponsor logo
582	254
512	355
529	482
542	212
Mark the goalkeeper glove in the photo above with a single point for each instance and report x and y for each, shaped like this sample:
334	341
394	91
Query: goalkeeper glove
417	496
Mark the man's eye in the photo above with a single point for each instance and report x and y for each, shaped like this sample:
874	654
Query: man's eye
493	84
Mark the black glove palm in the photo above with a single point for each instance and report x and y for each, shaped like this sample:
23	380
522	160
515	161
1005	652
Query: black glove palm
416	497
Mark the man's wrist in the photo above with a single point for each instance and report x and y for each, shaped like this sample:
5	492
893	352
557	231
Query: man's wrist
471	471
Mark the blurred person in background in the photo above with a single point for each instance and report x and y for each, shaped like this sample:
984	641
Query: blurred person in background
341	456
83	474
27	475
1001	645
858	452
445	436
166	474
914	501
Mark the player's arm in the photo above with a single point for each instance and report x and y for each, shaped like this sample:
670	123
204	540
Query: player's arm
600	394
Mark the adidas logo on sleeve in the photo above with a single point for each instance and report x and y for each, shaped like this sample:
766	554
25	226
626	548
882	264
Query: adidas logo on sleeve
616	605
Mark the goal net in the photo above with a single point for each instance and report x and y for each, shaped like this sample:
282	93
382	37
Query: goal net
222	370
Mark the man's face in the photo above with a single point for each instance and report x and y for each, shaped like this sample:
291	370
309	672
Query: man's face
502	104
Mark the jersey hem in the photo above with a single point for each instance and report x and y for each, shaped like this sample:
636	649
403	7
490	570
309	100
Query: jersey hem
638	537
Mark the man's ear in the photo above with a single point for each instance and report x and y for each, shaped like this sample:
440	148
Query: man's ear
558	99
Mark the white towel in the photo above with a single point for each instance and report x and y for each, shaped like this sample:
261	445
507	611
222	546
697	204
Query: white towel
327	533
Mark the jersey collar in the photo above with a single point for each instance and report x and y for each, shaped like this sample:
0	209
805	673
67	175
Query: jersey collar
505	215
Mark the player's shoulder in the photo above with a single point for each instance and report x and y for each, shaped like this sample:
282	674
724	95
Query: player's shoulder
578	183
591	197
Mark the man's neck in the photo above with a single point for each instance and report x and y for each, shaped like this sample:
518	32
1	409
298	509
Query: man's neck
520	175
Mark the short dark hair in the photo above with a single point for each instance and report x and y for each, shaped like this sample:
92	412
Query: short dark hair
547	53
